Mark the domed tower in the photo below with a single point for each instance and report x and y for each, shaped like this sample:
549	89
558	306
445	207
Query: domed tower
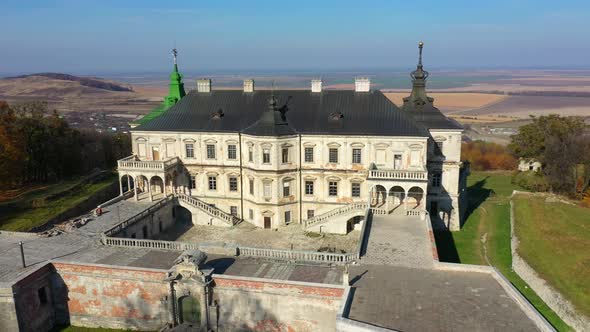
175	93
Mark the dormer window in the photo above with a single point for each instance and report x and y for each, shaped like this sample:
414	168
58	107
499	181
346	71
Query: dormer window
217	114
335	116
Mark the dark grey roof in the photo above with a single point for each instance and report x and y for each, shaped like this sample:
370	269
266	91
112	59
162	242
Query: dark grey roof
336	112
272	122
431	117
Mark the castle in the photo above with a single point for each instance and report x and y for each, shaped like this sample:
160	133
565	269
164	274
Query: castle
317	161
286	156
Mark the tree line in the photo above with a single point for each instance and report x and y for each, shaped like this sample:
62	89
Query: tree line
562	146
37	145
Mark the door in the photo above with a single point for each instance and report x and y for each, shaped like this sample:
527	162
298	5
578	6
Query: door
156	153
397	161
267	222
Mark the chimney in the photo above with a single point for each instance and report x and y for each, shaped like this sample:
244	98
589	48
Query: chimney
362	84
204	85
249	85
316	85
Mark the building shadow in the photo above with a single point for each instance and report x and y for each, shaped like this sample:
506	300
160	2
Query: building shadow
365	237
445	247
477	193
220	265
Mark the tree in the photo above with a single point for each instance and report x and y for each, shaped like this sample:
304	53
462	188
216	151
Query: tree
530	141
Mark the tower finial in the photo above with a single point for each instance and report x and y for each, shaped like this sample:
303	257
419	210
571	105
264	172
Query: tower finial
174	54
420	46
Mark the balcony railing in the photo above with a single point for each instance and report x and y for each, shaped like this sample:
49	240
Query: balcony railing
133	163
396	174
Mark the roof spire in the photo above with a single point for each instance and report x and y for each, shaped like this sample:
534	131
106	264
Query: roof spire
418	97
174	54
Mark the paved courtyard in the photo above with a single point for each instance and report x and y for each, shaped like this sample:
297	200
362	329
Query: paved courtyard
408	299
398	240
248	235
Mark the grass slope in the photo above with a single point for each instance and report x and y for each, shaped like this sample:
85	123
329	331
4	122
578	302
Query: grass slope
18	216
555	241
485	237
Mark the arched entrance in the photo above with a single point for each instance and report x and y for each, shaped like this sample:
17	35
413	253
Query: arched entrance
156	185
189	310
142	184
415	196
397	195
127	183
378	196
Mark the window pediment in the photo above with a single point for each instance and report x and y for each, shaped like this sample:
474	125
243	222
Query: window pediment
334	145
381	145
333	178
309	144
189	140
357	145
210	141
141	139
231	141
416	146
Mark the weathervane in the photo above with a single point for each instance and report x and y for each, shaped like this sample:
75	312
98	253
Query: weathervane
174	53
420	46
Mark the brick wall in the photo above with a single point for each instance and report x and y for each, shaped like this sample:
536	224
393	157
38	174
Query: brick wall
253	304
114	297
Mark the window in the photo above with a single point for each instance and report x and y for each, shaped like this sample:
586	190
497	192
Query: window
287	217
286	189
332	188
250	154
210	151
380	157
233	210
141	149
251	187
190	150
266	156
356	189
436	180
267	190
231	152
397	161
356	156
440	145
285	155
415	158
310	214
212	183
233	183
309	187
251	214
309	155
170	150
42	293
333	155
193	182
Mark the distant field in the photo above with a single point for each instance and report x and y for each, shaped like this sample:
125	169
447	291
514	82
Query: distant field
523	106
453	101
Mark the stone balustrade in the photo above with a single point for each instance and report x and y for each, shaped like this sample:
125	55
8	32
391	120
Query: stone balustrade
211	210
297	255
385	174
126	223
335	213
133	163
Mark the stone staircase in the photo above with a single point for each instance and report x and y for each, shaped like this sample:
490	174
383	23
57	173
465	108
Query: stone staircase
208	209
353	208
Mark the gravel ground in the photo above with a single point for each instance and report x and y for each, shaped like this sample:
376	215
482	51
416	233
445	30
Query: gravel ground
287	237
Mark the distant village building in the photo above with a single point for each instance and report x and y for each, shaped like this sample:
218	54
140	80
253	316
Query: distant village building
286	156
525	165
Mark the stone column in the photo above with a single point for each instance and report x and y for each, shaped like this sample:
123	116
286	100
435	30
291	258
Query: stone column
164	185
129	183
406	199
135	190
150	191
120	186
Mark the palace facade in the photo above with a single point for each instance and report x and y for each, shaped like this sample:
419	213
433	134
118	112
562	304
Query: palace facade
276	157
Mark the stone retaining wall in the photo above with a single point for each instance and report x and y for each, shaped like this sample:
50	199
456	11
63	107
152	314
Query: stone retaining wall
546	292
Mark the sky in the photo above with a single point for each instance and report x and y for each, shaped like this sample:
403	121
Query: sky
105	36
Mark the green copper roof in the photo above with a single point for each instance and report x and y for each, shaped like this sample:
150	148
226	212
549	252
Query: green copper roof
175	93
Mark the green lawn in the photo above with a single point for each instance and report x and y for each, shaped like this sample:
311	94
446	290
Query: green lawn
485	237
19	216
555	242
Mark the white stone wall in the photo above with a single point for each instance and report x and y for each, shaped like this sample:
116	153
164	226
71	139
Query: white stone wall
296	170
